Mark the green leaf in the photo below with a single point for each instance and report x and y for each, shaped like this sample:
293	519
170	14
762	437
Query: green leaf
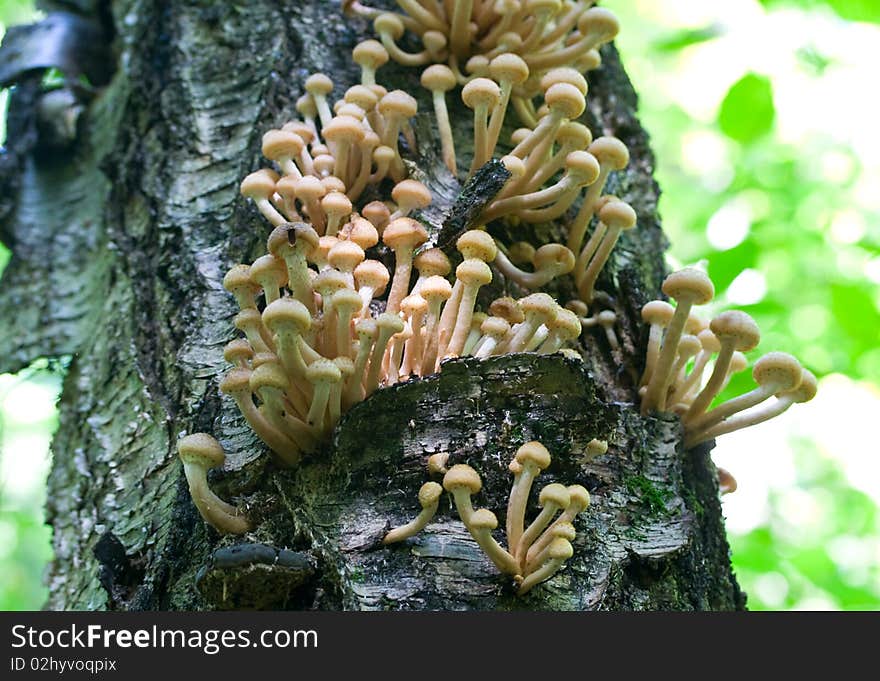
747	111
854	10
685	38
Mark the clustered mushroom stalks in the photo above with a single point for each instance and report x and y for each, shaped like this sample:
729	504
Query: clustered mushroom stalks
315	345
689	362
535	552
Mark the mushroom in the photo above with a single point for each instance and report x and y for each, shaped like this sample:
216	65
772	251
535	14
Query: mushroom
481	94
439	79
462	482
402	236
560	550
552	499
429	499
480	525
369	55
616	216
532	457
200	452
260	187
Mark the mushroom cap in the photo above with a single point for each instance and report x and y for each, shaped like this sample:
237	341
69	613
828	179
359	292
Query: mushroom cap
303	130
287	237
389	322
352	110
535	453
236	381
383	155
475	243
269	375
576	135
565	98
579	498
657	312
329	282
554	258
739	362
363	233
389	23
564	74
560	549
438	77
372	274
434	41
600	22
278	144
462	475
694	324
431	262
345	255
689	345
807	390
308	188
726	481
202	450
398	103
319	84
521	252
268	268
322	252
507	308
366	329
404	234
778	369
610	151
238	278
483	519
539	305
413	304
509	67
435	287
579	307
262	358
429	494
259	184
361	95
333	185
689	284
473	272
343	129
336	203
376	211
709	341
564	530
323	371
306	106
583	167
247	318
555	494
287	314
345	366
481	92
607	318
494	327
513	164
323	164
237	350
347	299
411	193
370	53
567	325
738	326
618	215
478	65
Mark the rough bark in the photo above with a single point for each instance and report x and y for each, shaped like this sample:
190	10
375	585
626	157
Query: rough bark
120	238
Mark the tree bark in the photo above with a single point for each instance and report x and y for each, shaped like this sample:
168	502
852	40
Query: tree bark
121	234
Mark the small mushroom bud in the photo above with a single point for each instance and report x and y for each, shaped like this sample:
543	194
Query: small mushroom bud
200	452
260	187
370	55
429	499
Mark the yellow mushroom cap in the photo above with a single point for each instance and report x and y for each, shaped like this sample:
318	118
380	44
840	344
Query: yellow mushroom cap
560	549
287	313
514	165
438	77
323	371
778	368
507	308
398	103
343	129
554	493
201	450
345	255
262	358
372	274
619	215
610	151
239	278
565	98
567	325
564	530
319	84
579	498
462	475
347	299
509	67
575	134
738	326
481	92
309	188
539	304
269	375
657	312
564	74
329	282
370	53
689	284
554	257
259	184
362	96
237	350
473	272
279	144
535	453
495	327
689	345
237	381
429	494
390	23
475	243
404	233
583	166
431	262
483	519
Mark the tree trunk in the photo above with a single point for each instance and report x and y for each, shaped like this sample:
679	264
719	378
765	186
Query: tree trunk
122	228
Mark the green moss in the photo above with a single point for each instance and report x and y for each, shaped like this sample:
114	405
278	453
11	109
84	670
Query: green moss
651	496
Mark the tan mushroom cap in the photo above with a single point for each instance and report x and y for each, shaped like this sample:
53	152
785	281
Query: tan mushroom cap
201	450
564	530
509	67
567	99
540	304
363	233
657	312
610	151
483	519
583	167
431	262
411	193
473	272
336	203
535	453
269	268
429	494
390	23
521	252
372	274
567	325
399	103
236	381
709	341
237	350
403	233
508	309
343	129
778	369
370	53
564	74
807	390
345	255
299	128
554	493
579	498
694	324
279	144
362	96
287	313
495	327
319	84
481	92
329	282
462	475
333	185
308	188
259	184
269	375
576	135
739	326
377	212
599	21
435	287
262	358
286	236
475	243
438	77
515	165
560	549
238	278
413	304
323	371
689	284
554	257
738	362
347	299
618	214
366	329
306	106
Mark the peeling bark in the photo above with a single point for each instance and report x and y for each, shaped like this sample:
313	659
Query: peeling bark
120	241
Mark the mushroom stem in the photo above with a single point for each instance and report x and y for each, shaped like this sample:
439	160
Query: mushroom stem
429	498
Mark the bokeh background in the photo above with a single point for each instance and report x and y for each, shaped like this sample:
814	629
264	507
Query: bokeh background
765	118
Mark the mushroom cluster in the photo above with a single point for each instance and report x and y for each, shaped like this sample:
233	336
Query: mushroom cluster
316	342
535	552
327	159
467	34
690	361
